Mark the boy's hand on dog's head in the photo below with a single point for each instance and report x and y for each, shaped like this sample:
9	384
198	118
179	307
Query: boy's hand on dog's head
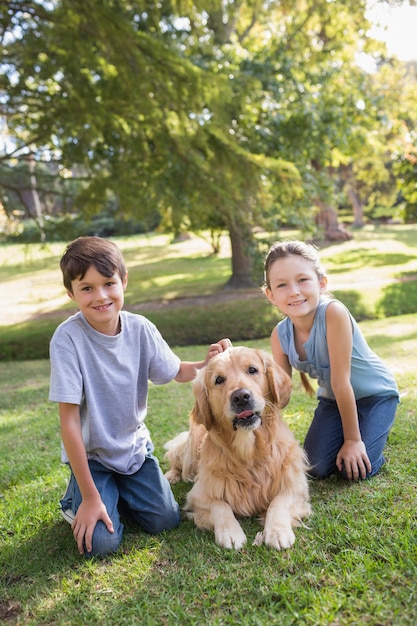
217	348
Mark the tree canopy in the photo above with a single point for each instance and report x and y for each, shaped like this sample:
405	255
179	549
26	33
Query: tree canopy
216	114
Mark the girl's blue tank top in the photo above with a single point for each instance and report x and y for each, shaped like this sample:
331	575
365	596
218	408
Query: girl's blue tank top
369	375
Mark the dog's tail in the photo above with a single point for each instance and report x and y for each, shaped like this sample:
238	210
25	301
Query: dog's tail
178	456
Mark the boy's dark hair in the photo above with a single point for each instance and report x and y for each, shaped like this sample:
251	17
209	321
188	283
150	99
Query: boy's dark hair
84	252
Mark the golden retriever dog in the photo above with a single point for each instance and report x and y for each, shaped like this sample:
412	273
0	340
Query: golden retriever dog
243	459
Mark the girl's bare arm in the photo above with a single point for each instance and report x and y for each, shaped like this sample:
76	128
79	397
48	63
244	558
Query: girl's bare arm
339	340
279	357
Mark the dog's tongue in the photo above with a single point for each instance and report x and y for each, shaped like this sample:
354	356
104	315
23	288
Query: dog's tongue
244	415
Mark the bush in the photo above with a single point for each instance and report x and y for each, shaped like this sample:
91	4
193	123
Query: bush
398	299
63	228
240	320
68	227
353	301
410	213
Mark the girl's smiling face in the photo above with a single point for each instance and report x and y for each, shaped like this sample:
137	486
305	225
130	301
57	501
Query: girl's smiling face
294	286
100	299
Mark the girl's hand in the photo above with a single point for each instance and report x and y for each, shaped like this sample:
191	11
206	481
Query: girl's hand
353	457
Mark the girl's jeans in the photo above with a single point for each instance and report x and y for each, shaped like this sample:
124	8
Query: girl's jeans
325	435
145	497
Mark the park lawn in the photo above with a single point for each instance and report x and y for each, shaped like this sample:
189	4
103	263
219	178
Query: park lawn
354	562
159	269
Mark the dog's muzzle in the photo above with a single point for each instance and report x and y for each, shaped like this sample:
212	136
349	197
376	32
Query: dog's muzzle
241	402
248	420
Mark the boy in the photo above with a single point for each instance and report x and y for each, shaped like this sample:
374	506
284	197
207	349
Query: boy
101	361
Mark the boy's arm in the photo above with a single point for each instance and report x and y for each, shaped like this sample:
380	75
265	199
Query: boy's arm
92	508
188	369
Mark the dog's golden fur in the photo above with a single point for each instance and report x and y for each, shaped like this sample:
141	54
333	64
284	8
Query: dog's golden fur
242	457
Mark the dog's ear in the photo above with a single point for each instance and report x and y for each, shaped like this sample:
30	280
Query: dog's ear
201	412
279	382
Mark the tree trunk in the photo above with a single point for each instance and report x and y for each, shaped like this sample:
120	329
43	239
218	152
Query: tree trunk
357	207
29	197
242	264
328	221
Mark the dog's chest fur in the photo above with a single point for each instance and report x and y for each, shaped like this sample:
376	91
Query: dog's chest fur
239	473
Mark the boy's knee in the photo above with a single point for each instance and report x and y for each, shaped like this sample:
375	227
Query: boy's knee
105	542
158	523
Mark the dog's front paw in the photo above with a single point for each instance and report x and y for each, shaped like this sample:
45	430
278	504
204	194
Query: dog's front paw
227	538
279	538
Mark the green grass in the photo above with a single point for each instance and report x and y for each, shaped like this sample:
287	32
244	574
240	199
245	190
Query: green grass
375	275
370	263
355	561
158	269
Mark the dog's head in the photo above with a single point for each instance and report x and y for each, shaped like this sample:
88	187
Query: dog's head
237	389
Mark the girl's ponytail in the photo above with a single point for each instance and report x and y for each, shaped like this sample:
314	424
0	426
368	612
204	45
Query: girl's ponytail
306	384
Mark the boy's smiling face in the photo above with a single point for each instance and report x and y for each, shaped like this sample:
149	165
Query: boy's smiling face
100	299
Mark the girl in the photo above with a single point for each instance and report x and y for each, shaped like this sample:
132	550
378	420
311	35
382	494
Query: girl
357	394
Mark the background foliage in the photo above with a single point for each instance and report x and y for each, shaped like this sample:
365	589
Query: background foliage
196	115
178	285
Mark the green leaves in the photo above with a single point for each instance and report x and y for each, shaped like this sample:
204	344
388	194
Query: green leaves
209	113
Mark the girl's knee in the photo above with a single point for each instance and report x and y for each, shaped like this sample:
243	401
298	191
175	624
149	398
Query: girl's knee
320	472
376	465
321	466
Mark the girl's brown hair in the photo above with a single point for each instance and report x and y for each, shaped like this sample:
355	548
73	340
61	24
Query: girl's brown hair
84	252
285	249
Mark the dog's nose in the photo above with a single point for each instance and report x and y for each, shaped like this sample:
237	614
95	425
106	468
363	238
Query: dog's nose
241	398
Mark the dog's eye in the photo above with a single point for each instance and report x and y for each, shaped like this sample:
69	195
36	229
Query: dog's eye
219	380
252	370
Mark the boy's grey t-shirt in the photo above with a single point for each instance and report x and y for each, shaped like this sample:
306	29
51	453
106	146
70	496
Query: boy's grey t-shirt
108	378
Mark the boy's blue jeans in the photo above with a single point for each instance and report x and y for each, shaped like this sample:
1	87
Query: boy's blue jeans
325	435
145	497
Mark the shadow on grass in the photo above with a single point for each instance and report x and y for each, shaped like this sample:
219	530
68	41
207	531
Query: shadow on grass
49	571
